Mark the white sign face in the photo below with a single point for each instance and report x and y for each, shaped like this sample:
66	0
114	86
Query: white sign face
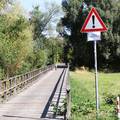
93	23
94	36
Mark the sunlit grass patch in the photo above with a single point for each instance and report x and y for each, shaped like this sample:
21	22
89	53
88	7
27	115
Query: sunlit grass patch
83	95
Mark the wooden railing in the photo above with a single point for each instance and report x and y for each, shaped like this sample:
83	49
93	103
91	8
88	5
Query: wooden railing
68	112
15	84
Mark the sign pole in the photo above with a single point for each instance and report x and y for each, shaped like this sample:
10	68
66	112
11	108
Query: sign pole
96	78
94	25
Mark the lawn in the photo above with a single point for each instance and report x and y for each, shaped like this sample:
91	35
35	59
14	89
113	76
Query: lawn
83	95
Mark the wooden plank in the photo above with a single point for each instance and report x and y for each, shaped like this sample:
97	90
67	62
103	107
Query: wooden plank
30	103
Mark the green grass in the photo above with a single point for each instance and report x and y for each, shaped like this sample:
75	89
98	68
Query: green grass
83	95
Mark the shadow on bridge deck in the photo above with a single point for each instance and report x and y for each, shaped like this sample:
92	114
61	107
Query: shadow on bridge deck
41	101
57	97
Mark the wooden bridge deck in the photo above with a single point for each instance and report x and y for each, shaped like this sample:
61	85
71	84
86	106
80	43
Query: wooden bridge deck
33	103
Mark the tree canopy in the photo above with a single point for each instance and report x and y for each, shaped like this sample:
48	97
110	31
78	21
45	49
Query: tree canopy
77	47
16	40
23	44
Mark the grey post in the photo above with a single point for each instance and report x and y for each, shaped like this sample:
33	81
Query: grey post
96	78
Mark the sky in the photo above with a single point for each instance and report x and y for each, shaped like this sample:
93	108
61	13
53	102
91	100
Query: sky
28	6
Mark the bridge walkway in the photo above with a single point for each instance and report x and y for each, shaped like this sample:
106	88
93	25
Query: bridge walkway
34	102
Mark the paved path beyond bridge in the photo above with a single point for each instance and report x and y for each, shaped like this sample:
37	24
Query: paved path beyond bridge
30	104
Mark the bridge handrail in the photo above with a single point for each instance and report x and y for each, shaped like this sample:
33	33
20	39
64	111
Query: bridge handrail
68	91
12	85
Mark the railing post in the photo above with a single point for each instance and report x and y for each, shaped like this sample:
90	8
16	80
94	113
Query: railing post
68	95
5	88
12	85
15	84
10	82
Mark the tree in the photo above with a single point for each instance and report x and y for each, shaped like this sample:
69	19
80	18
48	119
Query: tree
81	52
3	3
55	50
16	42
43	46
40	20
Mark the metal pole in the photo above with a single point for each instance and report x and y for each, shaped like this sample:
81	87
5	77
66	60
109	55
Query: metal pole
96	78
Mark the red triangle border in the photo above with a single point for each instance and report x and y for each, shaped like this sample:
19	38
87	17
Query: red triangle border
93	10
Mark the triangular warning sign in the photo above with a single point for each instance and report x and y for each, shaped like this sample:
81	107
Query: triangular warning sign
93	22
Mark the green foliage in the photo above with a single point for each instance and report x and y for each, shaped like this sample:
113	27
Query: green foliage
83	95
40	59
25	67
40	20
46	50
3	3
37	20
59	110
83	103
55	49
23	45
16	42
76	12
1	73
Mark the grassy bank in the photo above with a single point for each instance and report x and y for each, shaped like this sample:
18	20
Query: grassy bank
83	95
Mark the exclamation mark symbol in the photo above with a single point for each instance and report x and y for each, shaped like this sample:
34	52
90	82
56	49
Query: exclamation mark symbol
93	20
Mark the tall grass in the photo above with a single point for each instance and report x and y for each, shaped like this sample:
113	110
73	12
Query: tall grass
83	95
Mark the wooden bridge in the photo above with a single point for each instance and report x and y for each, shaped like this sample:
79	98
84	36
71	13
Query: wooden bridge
36	95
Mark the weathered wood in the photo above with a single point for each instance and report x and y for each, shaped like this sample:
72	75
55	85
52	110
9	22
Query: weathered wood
12	85
15	90
68	113
30	103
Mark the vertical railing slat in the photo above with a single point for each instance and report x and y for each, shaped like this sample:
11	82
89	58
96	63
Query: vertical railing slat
12	85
